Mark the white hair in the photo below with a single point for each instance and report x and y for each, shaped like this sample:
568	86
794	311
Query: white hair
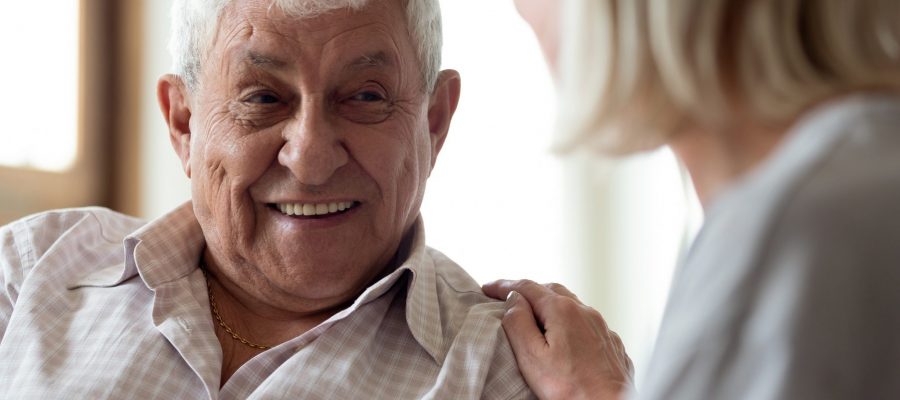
194	23
635	72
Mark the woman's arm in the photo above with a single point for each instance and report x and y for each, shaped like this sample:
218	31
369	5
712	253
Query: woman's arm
564	348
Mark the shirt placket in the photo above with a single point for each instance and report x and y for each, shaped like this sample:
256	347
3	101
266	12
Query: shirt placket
187	325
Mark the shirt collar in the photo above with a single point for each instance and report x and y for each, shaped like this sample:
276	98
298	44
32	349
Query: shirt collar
161	251
423	315
167	248
170	248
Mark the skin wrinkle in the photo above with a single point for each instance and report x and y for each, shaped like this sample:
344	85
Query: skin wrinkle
244	30
283	33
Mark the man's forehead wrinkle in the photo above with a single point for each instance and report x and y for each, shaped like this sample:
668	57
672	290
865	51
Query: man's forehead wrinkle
234	36
266	40
385	51
251	19
237	20
241	46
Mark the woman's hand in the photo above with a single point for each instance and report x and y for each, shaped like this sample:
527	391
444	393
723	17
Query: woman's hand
564	348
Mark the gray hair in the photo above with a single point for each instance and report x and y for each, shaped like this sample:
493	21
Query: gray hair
194	23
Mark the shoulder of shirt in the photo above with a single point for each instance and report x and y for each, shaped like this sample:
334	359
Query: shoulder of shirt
465	309
38	232
838	196
460	297
111	225
828	256
802	222
834	221
813	245
845	206
448	273
841	201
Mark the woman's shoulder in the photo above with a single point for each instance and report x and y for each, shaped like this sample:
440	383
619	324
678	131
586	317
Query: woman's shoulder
836	179
821	216
850	196
800	268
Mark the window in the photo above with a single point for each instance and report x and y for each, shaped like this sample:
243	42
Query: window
40	105
57	106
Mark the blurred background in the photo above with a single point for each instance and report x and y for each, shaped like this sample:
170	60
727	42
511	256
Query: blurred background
81	127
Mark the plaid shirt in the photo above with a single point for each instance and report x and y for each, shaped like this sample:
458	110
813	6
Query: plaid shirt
79	320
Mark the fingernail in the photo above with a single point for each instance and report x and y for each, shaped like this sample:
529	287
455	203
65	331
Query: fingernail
511	299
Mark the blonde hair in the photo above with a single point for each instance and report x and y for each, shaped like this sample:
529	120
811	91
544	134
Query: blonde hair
194	23
634	72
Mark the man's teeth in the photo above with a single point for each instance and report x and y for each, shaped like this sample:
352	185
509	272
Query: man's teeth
311	210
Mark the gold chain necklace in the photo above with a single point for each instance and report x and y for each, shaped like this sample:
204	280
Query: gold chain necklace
215	310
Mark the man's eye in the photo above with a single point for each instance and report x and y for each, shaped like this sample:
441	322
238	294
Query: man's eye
366	107
368	97
262	98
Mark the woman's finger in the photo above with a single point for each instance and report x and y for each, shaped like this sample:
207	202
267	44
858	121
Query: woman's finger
547	301
498	289
535	293
562	291
575	355
532	291
522	329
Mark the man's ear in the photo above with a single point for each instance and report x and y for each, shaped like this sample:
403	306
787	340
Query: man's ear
175	106
441	108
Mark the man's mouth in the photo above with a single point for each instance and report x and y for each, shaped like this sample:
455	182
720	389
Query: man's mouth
314	210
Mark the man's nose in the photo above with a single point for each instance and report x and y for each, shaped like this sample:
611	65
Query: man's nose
314	149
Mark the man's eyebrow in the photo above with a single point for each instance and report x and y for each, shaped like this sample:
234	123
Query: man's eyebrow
261	60
374	60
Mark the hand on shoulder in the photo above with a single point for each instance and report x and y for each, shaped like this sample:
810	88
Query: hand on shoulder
564	348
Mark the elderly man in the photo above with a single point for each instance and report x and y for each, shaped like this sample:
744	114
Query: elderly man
299	269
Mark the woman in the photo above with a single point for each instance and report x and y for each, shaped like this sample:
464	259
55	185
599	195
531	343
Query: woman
786	113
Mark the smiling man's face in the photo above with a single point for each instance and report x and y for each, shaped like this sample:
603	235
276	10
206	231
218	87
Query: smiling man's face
308	146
